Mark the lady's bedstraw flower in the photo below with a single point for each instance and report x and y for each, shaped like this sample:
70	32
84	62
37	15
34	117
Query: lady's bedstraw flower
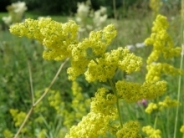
55	101
18	118
155	5
96	122
86	51
133	92
104	102
151	132
129	130
80	102
161	41
151	107
7	133
104	68
167	103
182	129
58	38
91	126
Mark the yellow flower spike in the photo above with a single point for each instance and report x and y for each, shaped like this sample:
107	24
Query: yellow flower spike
168	102
104	102
7	133
101	71
151	107
161	41
91	126
154	72
182	129
153	89
58	38
155	5
129	91
130	63
151	132
99	40
129	130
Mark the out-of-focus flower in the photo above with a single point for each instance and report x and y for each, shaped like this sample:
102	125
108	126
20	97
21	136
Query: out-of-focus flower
7	20
16	12
83	10
131	47
140	45
143	102
19	7
100	17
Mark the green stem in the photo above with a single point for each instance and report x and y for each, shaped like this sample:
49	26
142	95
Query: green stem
156	119
181	65
117	102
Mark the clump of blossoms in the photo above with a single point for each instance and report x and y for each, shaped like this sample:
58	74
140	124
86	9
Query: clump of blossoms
167	103
16	11
155	6
85	12
91	58
151	132
158	63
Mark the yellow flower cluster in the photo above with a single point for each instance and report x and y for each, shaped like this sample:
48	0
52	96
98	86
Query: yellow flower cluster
151	107
96	122
151	132
161	41
104	102
167	103
156	69
91	126
89	49
55	101
58	38
129	130
104	68
18	117
155	5
42	134
133	92
88	56
7	134
182	129
80	103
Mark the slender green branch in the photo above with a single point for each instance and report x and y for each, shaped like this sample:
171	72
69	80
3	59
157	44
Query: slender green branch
31	83
24	122
156	119
39	100
114	9
54	79
117	102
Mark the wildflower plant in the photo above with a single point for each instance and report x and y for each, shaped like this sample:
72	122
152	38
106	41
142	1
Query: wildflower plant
85	13
16	12
89	57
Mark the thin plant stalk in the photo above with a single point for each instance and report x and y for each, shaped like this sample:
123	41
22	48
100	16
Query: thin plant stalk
181	66
114	9
31	83
39	100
